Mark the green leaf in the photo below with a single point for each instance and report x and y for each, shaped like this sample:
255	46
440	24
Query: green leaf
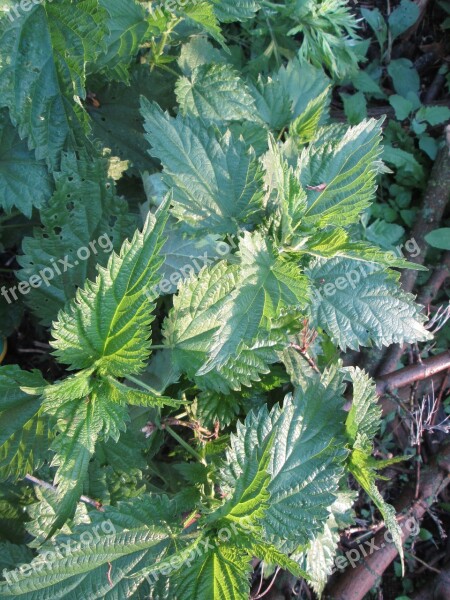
355	107
215	93
121	541
107	325
211	407
273	104
235	10
73	232
222	574
429	145
44	54
250	497
306	459
360	304
405	78
196	316
302	83
409	171
285	198
433	115
198	51
216	182
362	424
24	181
185	255
339	175
272	289
203	15
377	23
117	122
305	127
336	242
25	434
403	17
318	559
439	238
127	28
402	106
79	425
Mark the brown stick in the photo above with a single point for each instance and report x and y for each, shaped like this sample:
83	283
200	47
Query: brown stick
433	206
408	375
427	295
49	486
354	584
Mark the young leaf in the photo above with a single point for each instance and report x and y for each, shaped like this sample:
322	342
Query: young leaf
107	325
202	15
44	54
304	128
359	304
362	424
216	182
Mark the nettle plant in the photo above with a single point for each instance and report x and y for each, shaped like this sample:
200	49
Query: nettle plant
229	350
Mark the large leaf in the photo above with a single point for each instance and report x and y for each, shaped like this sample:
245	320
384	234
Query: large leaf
82	232
339	174
24	435
98	561
196	316
107	325
215	93
271	291
306	459
24	181
360	304
44	55
216	182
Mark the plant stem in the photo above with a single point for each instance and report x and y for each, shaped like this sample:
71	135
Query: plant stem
49	486
185	445
143	385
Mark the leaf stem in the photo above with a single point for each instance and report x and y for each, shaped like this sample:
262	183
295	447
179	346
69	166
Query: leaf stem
143	385
185	445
